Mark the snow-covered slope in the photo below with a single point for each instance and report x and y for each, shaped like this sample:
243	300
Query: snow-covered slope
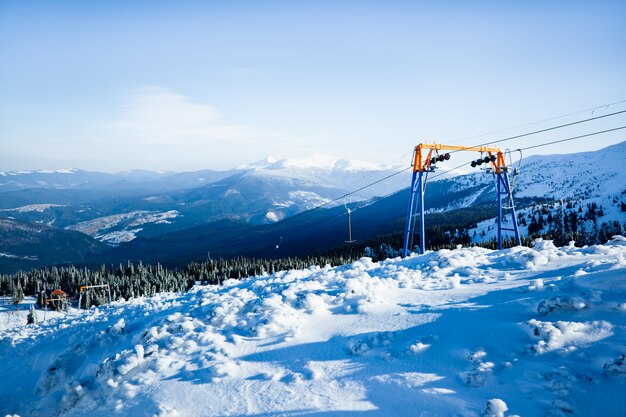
28	245
568	183
536	331
578	175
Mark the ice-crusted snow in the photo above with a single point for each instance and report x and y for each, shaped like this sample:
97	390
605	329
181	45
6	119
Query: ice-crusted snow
454	332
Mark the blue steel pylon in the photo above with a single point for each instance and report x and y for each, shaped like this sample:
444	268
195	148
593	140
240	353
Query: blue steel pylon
503	190
417	187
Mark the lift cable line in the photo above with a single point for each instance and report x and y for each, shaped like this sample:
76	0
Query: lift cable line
536	146
302	213
550	128
572	138
592	109
324	220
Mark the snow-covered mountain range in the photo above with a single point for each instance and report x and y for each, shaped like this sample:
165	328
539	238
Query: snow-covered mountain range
115	208
317	169
171	208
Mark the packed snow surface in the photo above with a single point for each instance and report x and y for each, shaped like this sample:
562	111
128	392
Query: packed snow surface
464	332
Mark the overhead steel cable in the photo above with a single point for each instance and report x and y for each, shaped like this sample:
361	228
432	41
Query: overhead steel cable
539	146
591	109
302	213
548	129
569	139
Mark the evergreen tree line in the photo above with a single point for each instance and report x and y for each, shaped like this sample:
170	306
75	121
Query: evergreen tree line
138	280
565	222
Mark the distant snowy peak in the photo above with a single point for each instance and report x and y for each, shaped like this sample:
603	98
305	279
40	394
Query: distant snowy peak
263	163
58	171
41	171
322	161
316	161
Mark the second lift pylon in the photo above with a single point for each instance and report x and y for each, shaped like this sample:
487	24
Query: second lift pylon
424	165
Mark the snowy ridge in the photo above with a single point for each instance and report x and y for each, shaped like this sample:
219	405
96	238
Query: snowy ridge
9	255
101	227
578	175
39	208
535	331
58	171
320	170
317	160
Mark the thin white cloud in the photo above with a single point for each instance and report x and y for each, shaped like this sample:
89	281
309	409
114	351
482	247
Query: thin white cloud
159	128
160	116
155	107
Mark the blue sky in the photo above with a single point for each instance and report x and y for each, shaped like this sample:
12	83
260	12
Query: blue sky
187	85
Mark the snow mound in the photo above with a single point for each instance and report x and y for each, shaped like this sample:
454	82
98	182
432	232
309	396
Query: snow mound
495	408
566	336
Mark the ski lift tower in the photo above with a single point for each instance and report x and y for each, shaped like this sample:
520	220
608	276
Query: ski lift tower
492	157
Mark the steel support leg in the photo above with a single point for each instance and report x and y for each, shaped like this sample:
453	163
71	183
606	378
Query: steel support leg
417	187
504	189
513	213
499	193
409	217
420	184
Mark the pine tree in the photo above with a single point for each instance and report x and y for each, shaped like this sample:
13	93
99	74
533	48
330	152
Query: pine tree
557	228
41	299
588	232
19	294
31	318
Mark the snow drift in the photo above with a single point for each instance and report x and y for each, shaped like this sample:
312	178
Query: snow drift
523	331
